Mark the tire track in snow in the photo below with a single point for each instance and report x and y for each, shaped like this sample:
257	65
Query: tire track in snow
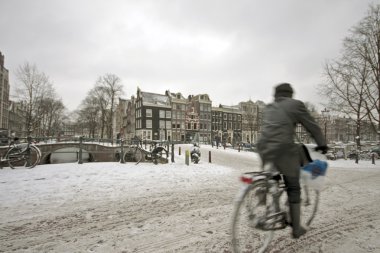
324	233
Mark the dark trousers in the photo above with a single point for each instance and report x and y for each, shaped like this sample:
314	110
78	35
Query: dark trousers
293	189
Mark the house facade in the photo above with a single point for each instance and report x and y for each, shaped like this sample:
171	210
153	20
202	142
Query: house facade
227	124
4	94
153	116
250	121
203	107
179	108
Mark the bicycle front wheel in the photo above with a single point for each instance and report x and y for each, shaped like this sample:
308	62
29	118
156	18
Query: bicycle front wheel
23	159
138	155
309	204
249	214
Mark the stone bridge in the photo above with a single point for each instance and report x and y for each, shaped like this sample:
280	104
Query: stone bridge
91	152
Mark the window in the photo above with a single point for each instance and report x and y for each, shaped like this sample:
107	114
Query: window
178	126
148	113
224	125
168	114
162	124
162	114
225	116
229	116
239	117
195	126
230	126
173	125
148	123
168	124
149	135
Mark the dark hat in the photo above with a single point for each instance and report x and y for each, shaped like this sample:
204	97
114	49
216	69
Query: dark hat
283	90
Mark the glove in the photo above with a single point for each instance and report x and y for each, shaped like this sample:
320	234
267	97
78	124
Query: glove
323	149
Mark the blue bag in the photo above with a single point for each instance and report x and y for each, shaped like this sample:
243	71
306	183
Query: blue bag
313	174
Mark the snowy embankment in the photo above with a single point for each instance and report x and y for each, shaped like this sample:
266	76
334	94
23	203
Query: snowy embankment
112	207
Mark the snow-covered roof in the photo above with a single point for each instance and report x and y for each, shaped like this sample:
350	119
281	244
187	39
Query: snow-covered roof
154	99
228	108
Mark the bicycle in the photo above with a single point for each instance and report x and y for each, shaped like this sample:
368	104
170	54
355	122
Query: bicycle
22	155
261	208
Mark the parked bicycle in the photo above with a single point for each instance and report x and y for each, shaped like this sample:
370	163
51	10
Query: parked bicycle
22	155
261	208
155	154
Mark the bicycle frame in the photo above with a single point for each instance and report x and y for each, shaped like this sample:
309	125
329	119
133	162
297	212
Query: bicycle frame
275	187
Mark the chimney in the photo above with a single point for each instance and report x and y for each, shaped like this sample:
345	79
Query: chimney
1	60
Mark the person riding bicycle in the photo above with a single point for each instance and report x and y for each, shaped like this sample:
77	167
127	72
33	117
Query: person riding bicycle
276	144
195	151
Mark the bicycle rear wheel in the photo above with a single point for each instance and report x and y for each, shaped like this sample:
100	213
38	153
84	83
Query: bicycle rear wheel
309	204
249	213
23	159
138	155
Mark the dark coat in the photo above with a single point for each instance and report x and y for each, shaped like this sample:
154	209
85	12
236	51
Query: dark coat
276	143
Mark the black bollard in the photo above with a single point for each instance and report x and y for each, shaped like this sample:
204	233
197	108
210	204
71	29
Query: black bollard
80	160
172	153
122	151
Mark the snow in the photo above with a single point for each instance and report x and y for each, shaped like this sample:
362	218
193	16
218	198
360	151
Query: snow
174	207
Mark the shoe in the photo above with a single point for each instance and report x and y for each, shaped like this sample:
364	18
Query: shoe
295	211
261	223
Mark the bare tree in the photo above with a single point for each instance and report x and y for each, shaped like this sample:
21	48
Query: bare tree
352	83
32	87
99	98
110	87
365	44
89	115
53	111
98	108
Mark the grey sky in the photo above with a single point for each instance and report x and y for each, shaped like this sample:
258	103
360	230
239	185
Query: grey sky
233	50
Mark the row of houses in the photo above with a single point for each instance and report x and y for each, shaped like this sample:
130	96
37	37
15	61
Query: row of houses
174	117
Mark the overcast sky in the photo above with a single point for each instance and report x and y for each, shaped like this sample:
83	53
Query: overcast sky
233	50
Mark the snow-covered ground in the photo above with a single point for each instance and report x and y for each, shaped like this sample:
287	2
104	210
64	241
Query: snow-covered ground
112	207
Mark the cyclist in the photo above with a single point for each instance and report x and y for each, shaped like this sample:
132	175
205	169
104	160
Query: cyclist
195	153
276	144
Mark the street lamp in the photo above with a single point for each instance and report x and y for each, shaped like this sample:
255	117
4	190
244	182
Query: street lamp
324	115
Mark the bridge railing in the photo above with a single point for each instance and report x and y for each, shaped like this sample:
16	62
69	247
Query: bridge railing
113	149
110	150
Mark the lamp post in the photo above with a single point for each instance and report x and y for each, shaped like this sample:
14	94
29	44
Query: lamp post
325	115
